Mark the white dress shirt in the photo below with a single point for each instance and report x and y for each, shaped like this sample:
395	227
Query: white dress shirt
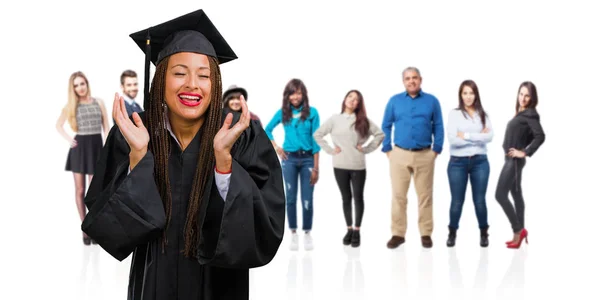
128	100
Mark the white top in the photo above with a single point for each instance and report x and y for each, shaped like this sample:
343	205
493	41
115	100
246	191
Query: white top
475	141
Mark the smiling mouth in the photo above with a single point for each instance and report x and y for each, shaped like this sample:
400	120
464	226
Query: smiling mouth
189	99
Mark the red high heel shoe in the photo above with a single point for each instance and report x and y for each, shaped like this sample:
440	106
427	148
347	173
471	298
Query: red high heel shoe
522	236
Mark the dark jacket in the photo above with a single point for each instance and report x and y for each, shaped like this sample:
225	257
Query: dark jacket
237	115
524	132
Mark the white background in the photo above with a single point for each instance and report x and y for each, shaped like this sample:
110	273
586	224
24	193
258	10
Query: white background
332	47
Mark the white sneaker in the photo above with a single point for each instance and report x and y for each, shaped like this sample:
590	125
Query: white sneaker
294	244
308	242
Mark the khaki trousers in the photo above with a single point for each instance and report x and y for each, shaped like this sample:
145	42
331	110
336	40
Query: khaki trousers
404	164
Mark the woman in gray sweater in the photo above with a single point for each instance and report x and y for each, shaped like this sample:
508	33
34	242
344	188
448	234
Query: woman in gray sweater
349	131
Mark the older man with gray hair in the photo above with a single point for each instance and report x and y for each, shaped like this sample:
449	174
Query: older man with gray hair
418	138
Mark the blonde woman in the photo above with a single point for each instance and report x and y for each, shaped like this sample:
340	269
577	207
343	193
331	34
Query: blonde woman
88	119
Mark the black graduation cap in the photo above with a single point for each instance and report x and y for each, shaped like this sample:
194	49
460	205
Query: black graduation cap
193	32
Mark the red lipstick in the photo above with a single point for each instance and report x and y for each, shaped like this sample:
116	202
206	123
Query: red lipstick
190	99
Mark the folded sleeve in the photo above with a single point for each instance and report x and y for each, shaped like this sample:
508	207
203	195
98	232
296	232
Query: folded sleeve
125	207
246	229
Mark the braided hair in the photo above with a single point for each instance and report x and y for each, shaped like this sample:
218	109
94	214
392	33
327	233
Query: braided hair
161	148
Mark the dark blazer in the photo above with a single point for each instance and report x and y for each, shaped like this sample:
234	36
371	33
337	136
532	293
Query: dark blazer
131	108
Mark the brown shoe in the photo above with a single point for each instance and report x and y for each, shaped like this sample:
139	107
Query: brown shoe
395	241
426	241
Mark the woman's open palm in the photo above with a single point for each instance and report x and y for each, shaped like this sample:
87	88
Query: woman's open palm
226	137
136	133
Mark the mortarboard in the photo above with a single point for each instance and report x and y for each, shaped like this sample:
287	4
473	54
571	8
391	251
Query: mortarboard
193	32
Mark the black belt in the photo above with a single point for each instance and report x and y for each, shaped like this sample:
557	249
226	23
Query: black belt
414	149
301	152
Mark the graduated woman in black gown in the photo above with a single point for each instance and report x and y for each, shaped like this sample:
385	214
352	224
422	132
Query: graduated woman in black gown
197	197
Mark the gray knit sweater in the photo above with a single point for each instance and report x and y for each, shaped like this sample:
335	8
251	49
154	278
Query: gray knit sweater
341	129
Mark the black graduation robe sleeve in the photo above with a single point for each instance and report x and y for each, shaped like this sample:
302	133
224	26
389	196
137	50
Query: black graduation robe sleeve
124	210
245	230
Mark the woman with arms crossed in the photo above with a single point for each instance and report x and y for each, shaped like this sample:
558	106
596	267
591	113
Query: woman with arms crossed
469	132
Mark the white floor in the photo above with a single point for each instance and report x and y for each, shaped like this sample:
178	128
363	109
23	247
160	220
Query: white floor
49	259
68	270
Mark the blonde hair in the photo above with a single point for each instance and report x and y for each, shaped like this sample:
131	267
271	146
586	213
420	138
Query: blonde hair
73	99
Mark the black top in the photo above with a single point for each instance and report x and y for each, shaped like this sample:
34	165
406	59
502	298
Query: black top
241	232
524	132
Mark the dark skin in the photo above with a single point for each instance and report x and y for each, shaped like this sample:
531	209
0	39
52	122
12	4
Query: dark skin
296	100
188	73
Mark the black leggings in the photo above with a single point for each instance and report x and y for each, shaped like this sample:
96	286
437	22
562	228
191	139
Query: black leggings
510	181
351	183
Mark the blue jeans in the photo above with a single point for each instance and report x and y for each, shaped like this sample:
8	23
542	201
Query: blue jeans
298	166
460	170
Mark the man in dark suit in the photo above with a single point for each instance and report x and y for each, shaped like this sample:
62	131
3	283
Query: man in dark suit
129	87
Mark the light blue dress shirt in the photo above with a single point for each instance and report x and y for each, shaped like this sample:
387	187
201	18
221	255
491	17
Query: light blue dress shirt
475	141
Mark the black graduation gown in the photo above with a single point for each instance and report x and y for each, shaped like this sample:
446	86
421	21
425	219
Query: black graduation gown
241	232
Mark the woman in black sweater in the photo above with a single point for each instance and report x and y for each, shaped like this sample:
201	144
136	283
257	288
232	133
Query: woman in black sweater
524	135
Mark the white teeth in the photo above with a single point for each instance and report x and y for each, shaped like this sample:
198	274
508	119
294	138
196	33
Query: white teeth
189	97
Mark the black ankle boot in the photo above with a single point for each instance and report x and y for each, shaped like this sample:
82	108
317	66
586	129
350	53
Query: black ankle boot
451	237
356	238
348	237
484	242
